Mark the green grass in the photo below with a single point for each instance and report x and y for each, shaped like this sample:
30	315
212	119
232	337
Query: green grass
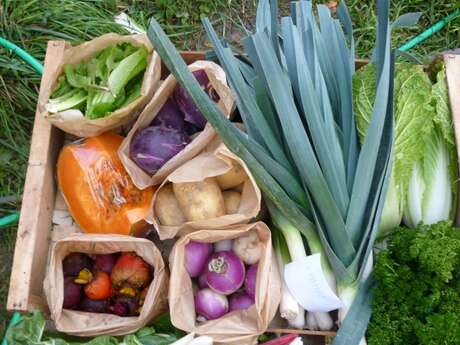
30	24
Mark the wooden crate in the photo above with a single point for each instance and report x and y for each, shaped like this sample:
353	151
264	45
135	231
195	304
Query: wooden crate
41	200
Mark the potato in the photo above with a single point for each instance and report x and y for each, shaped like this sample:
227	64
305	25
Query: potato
167	208
232	178
232	201
200	200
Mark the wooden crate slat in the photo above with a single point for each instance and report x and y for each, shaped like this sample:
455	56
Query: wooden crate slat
32	241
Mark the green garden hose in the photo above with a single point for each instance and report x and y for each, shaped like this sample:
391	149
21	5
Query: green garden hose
9	220
14	320
29	59
430	31
14	217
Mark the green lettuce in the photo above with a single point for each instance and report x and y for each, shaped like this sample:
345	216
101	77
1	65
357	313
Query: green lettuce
424	137
102	84
30	330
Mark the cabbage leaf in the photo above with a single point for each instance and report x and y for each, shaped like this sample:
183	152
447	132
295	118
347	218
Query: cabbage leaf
424	134
432	190
414	113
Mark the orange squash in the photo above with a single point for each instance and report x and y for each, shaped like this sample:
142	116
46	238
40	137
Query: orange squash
98	191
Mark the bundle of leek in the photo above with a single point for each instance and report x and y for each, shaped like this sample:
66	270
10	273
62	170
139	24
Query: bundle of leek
293	91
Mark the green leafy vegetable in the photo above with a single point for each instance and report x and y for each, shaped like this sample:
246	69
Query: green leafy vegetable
417	298
30	330
108	81
421	112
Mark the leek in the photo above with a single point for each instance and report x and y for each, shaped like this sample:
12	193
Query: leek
305	72
293	238
289	308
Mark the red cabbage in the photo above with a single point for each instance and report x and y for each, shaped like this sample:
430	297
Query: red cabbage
152	147
185	102
169	116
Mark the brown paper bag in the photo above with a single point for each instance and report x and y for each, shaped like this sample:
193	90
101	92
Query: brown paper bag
218	80
209	164
238	327
92	324
72	121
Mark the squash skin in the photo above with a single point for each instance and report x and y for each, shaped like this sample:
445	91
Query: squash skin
98	191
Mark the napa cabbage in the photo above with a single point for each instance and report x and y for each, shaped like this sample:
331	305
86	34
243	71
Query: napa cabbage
422	185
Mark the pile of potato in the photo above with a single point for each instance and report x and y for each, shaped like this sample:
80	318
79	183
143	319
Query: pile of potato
178	203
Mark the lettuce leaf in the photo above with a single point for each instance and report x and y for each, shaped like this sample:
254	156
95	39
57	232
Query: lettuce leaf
30	330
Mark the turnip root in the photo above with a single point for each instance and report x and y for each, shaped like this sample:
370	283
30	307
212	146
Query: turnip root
248	248
232	201
167	208
232	178
200	200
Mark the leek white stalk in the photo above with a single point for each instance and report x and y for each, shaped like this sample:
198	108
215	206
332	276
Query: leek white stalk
311	321
347	293
297	252
289	308
299	321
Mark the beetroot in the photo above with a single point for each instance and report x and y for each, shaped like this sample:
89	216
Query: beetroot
124	306
75	262
93	306
105	262
131	271
72	293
